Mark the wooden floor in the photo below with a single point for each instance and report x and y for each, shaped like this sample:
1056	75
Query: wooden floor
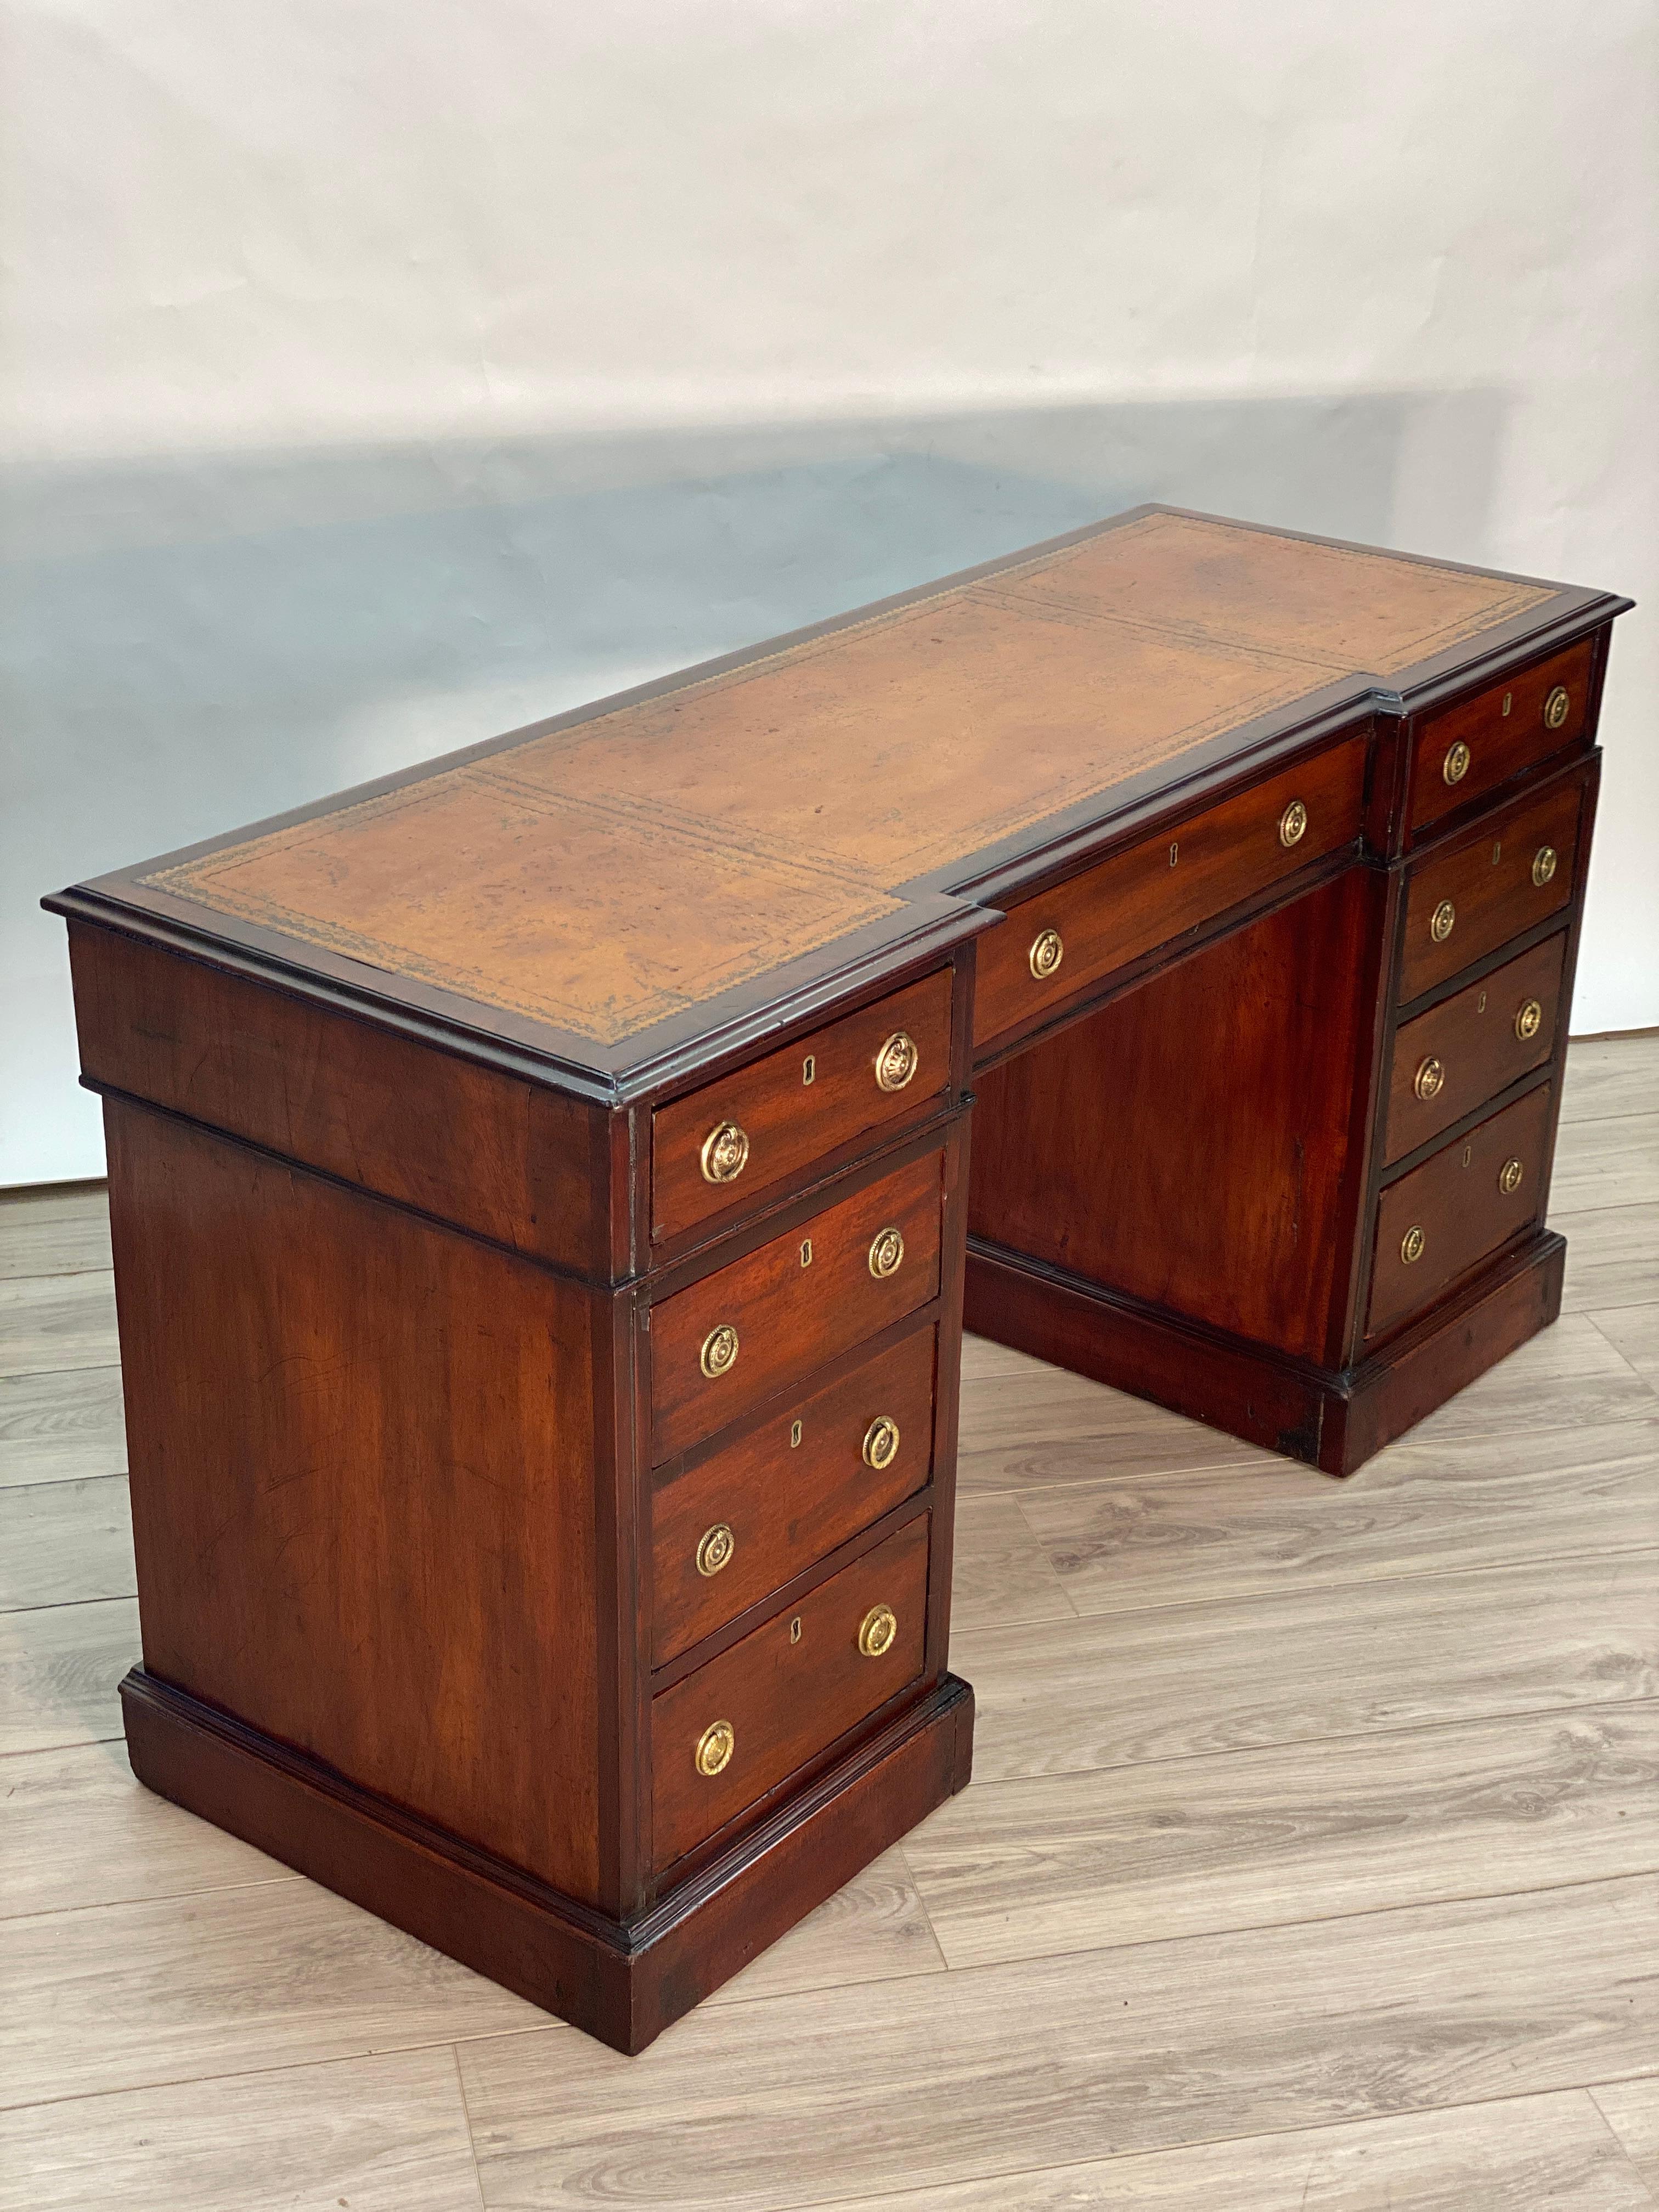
1311	1860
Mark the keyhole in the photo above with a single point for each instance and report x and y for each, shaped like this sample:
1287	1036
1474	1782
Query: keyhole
795	1435
1481	1007
1508	695
806	1251
794	1629
809	1067
1174	852
1468	1154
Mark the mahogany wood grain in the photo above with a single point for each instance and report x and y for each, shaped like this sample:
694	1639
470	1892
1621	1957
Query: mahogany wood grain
1173	882
1503	730
1485	875
1194	1143
520	1163
794	1302
787	1690
363	1487
789	1121
1474	1041
1456	1201
788	1491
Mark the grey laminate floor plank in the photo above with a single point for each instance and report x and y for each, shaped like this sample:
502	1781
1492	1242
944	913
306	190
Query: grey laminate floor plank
77	1829
1003	2070
1610	1076
1631	2110
1299	1831
53	1232
1613	1257
60	1667
62	1543
1633	1333
1119	1689
59	1322
64	1426
225	1982
386	2134
1607	1163
1516	2155
1418	1508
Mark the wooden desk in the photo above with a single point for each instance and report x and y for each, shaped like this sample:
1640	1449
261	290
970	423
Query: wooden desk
542	1216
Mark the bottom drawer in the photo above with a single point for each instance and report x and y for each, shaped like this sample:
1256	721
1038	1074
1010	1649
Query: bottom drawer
1463	1202
726	1734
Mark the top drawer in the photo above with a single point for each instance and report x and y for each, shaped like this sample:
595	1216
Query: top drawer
872	1070
1468	895
1055	944
1467	750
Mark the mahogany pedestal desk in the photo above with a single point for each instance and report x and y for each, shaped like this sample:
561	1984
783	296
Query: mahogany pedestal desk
544	1222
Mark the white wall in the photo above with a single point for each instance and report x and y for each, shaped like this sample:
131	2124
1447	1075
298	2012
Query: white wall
383	374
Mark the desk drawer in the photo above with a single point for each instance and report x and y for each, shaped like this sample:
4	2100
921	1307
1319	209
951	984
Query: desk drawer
1472	1046
739	1524
1465	898
1055	945
755	1326
1437	1222
874	1070
1472	747
737	1727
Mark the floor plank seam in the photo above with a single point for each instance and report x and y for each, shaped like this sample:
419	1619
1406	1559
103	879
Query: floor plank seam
466	2117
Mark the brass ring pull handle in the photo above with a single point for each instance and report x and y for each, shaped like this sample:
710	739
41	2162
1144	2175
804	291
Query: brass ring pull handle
725	1153
1528	1020
1456	766
1293	823
877	1631
1510	1177
719	1355
1543	865
1557	707
896	1061
1441	920
881	1443
886	1253
715	1548
1412	1244
715	1746
1048	950
1430	1079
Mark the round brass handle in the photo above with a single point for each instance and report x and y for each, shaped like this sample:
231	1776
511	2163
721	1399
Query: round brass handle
1530	1020
715	1746
1293	823
725	1153
877	1631
887	1252
1048	950
719	1355
1557	708
1430	1079
1441	920
1510	1177
1456	766
881	1443
1412	1243
1543	865
896	1061
715	1548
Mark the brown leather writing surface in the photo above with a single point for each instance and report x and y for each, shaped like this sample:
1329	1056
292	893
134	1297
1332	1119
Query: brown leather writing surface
608	874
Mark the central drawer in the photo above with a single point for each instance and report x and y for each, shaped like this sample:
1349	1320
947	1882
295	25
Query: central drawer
726	1734
1054	945
757	1511
755	1326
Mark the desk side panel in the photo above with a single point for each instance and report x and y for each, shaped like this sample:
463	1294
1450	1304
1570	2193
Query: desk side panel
491	1151
362	1452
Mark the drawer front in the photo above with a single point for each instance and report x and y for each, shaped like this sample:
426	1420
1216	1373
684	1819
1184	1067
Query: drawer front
727	1532
1464	1051
737	1727
1472	747
751	1329
1436	1223
1515	869
1058	943
872	1070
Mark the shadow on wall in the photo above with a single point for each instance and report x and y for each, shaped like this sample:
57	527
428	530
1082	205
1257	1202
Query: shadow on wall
196	641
